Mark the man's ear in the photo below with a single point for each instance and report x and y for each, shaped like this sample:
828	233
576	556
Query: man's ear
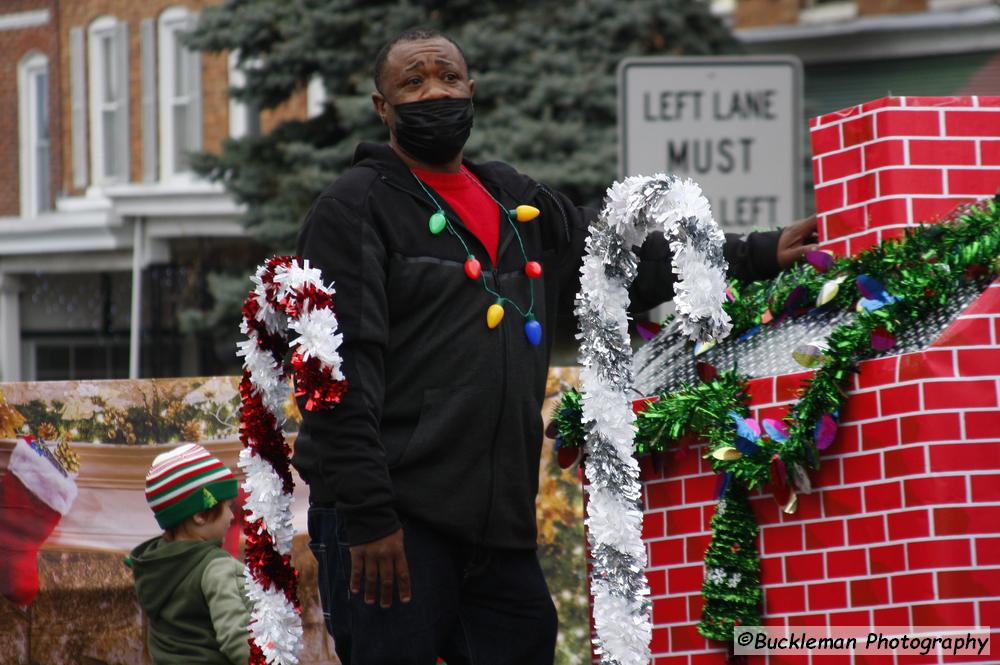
378	101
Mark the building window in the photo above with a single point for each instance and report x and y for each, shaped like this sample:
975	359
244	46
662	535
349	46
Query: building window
35	147
109	100
315	96
180	94
244	119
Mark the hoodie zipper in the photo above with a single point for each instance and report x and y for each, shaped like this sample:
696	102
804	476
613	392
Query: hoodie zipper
562	211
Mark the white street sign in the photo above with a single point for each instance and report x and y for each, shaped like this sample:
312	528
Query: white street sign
732	124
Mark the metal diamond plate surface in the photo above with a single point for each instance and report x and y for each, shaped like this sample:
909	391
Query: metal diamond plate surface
667	361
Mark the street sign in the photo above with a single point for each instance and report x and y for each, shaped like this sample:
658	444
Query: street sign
732	124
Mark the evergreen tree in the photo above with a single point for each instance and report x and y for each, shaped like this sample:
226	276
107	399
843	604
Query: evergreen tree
732	569
545	95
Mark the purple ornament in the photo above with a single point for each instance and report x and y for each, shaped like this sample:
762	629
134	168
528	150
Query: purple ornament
825	432
821	261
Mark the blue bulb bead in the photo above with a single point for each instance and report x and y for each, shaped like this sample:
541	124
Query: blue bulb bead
533	331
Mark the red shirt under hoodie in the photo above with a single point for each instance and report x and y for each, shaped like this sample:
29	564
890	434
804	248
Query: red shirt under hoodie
466	196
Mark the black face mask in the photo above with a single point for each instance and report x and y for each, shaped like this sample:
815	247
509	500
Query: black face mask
434	131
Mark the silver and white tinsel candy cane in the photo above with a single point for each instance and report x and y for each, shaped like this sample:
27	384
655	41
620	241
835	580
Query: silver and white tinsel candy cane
633	209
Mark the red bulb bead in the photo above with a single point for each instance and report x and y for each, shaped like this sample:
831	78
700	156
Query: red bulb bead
533	269
472	268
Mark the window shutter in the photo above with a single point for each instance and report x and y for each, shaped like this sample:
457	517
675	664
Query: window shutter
122	138
78	106
147	31
194	116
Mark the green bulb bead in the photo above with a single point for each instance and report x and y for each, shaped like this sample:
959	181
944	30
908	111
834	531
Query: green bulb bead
437	222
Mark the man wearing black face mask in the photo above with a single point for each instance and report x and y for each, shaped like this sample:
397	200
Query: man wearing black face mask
423	480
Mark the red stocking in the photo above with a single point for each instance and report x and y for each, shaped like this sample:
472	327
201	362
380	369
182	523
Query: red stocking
34	496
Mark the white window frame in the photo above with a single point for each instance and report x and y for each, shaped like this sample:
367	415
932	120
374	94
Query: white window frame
244	119
102	28
173	21
33	188
315	96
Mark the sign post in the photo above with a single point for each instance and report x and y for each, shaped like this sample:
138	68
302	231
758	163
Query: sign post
734	125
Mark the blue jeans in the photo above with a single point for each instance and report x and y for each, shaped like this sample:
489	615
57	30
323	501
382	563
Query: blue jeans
470	606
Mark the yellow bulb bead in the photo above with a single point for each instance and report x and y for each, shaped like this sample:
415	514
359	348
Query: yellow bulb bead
494	315
526	213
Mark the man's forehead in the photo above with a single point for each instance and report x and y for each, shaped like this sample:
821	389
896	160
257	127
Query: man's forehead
406	55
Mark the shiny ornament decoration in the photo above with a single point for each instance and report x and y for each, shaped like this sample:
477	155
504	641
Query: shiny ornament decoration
288	297
825	431
776	430
494	315
567	456
437	222
647	329
533	331
473	269
871	288
821	260
747	434
726	454
811	354
524	213
829	291
779	481
706	371
881	339
640	405
745	427
746	446
702	347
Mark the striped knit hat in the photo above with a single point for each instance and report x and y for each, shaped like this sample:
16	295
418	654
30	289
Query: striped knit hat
185	481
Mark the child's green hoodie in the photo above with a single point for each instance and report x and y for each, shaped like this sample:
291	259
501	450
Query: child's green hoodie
194	594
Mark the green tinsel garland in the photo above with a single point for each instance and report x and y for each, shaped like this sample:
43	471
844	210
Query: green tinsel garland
732	569
921	271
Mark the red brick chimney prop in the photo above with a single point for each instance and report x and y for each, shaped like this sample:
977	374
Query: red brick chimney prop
897	161
902	527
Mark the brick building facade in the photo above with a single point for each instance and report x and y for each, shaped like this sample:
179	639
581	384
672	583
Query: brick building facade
117	222
30	33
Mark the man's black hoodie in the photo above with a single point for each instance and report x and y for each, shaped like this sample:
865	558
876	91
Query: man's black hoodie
441	420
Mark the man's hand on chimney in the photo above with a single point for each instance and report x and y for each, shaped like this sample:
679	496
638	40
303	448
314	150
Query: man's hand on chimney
796	240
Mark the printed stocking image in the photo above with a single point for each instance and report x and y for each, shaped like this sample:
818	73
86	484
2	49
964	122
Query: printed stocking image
35	493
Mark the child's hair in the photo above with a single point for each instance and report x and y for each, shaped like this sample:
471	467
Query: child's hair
209	514
186	481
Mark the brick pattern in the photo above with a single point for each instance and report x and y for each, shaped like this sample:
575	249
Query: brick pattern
875	7
902	526
214	76
756	13
15	45
893	162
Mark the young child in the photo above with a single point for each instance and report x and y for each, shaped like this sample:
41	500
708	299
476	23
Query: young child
191	589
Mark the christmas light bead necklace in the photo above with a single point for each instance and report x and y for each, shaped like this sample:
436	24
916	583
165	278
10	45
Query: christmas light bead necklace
439	221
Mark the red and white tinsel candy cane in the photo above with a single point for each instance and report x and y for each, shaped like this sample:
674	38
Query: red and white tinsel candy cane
288	295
